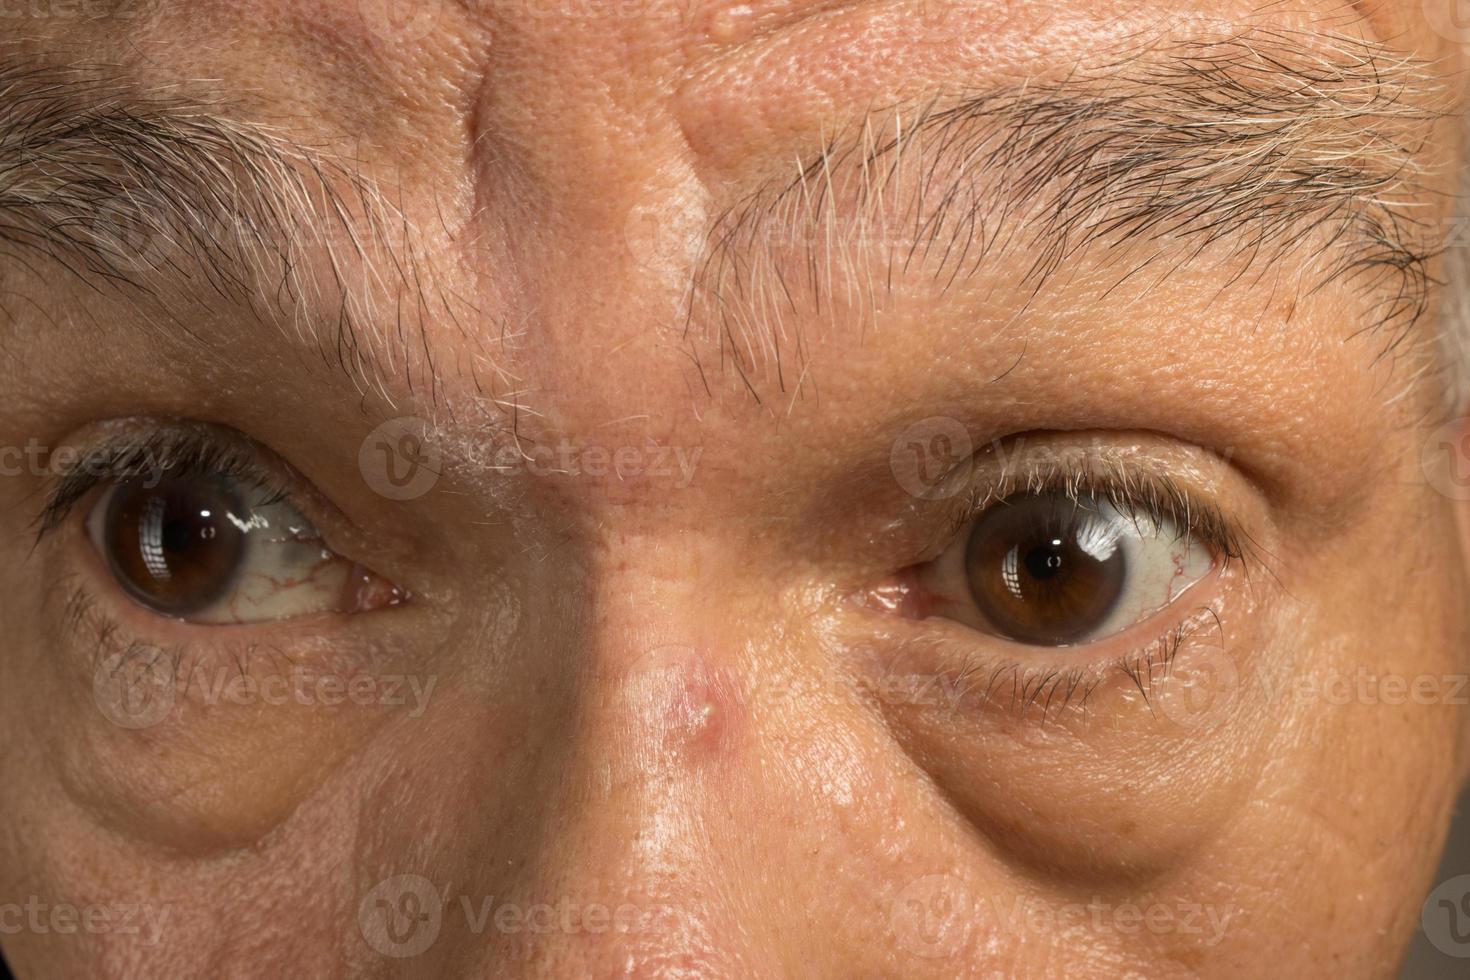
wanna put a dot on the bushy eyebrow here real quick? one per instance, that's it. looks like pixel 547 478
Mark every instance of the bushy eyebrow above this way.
pixel 142 194
pixel 1262 148
pixel 1266 144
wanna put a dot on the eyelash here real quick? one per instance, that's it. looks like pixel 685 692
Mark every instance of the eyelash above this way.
pixel 170 453
pixel 1132 492
pixel 175 450
pixel 1039 684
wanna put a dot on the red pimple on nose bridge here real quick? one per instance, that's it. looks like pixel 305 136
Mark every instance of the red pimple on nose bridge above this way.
pixel 696 707
pixel 728 25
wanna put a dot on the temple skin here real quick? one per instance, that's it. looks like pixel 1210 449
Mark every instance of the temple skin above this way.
pixel 650 708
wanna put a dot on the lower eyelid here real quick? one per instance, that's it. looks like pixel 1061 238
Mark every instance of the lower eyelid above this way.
pixel 940 667
pixel 90 619
pixel 184 739
pixel 949 655
pixel 96 630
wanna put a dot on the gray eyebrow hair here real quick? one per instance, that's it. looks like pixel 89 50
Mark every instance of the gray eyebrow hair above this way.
pixel 1269 145
pixel 139 194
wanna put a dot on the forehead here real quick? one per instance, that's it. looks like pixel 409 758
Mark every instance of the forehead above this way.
pixel 557 156
pixel 732 73
pixel 570 97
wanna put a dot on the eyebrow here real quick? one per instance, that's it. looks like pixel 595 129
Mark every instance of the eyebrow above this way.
pixel 1272 145
pixel 1267 143
pixel 143 195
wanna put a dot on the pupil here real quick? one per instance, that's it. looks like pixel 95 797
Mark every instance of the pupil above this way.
pixel 1045 561
pixel 177 535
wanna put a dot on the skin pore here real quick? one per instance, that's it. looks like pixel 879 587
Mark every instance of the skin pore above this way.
pixel 709 332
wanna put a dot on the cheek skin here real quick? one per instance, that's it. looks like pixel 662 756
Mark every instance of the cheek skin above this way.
pixel 197 792
pixel 1108 798
pixel 1393 791
pixel 1461 560
pixel 1353 798
pixel 1326 803
pixel 226 756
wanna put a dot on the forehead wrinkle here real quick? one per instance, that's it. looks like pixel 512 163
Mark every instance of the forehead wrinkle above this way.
pixel 1269 145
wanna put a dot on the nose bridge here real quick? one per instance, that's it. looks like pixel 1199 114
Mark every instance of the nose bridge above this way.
pixel 674 712
pixel 658 759
pixel 662 689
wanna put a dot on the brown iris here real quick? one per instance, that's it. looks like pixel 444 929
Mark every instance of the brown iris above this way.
pixel 173 547
pixel 1045 570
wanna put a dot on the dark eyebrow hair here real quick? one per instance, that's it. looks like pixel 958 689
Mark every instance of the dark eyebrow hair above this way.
pixel 142 194
pixel 1269 145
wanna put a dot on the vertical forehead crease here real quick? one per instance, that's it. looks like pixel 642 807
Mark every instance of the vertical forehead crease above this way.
pixel 142 194
pixel 1268 145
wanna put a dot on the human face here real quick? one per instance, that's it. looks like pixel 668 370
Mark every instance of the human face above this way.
pixel 569 488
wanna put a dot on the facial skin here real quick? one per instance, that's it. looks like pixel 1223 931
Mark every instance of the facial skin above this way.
pixel 658 672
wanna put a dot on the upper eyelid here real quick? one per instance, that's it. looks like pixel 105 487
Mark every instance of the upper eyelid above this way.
pixel 1130 488
pixel 165 451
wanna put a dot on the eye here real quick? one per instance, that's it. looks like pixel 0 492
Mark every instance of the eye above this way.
pixel 1056 570
pixel 209 549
